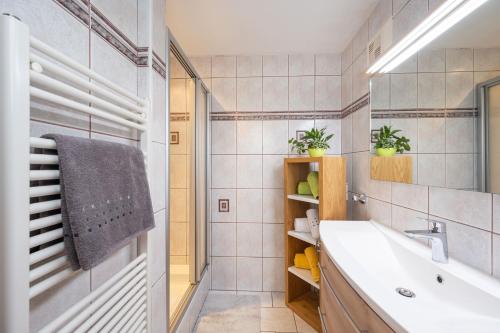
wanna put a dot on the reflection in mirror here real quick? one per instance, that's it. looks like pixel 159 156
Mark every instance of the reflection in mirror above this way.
pixel 446 101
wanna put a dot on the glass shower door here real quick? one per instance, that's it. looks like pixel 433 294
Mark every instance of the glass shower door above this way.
pixel 188 119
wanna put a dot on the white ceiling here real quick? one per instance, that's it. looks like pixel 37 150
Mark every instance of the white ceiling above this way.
pixel 266 26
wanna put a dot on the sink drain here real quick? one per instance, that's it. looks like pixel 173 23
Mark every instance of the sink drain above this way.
pixel 405 292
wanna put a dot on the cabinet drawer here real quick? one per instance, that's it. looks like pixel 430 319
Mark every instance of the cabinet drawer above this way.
pixel 362 315
pixel 336 320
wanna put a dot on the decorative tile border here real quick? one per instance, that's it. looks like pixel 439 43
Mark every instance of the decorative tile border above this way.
pixel 424 113
pixel 276 115
pixel 78 9
pixel 177 116
pixel 356 105
pixel 159 65
pixel 93 18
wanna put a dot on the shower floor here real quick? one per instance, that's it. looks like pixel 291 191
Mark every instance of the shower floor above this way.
pixel 179 285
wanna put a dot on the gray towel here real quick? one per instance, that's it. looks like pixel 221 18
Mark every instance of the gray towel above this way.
pixel 105 197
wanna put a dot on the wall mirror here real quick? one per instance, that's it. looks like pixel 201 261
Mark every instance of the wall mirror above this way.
pixel 446 100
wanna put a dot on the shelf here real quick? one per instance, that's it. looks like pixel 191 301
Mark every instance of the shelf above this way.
pixel 306 307
pixel 303 198
pixel 303 236
pixel 303 274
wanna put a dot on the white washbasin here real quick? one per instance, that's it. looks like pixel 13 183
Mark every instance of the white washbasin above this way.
pixel 376 260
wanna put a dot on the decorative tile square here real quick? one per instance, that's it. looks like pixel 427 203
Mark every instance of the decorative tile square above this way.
pixel 174 138
pixel 223 205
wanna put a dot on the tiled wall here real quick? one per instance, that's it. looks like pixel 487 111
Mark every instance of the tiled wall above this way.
pixel 473 218
pixel 431 98
pixel 112 38
pixel 258 103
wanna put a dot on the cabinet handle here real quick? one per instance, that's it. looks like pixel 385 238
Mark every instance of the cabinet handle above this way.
pixel 353 324
pixel 323 326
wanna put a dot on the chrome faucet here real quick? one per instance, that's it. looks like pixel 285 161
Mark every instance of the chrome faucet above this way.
pixel 438 237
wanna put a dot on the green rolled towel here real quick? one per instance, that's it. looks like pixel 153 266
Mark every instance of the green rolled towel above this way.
pixel 313 181
pixel 303 188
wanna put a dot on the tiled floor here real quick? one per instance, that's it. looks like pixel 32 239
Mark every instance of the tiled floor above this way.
pixel 275 317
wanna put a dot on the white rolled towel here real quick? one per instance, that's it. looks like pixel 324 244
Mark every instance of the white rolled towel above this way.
pixel 301 224
pixel 313 221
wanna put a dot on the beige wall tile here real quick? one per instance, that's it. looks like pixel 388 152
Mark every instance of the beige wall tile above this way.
pixel 496 213
pixel 223 171
pixel 471 208
pixel 346 87
pixel 407 219
pixel 431 169
pixel 379 211
pixel 249 171
pixel 223 94
pixel 469 245
pixel 431 90
pixel 275 137
pixel 249 274
pixel 415 197
pixel 249 66
pixel 275 65
pixel 275 94
pixel 459 60
pixel 460 90
pixel 431 135
pixel 301 64
pixel 224 273
pixel 249 137
pixel 272 171
pixel 273 272
pixel 327 93
pixel 460 171
pixel 432 60
pixel 224 66
pixel 273 241
pixel 273 206
pixel 328 64
pixel 496 255
pixel 403 91
pixel 301 93
pixel 249 94
pixel 223 239
pixel 223 137
pixel 203 65
pixel 249 240
pixel 460 135
pixel 487 59
pixel 380 97
pixel 249 203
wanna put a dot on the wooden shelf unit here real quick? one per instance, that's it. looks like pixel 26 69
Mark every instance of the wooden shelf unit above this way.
pixel 301 296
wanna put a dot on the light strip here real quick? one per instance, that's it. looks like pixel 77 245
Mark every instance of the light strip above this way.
pixel 433 33
pixel 429 25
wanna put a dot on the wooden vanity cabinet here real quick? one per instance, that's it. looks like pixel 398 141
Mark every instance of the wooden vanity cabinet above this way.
pixel 342 310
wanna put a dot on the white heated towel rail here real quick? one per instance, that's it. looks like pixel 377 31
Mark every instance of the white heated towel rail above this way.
pixel 32 258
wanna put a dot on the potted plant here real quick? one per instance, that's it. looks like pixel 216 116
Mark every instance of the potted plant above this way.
pixel 314 141
pixel 388 143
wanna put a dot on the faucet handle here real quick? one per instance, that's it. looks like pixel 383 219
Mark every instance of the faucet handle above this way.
pixel 435 224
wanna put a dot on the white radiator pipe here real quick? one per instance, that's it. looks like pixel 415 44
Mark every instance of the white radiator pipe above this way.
pixel 58 56
pixel 67 90
pixel 56 324
pixel 77 80
pixel 53 98
pixel 14 175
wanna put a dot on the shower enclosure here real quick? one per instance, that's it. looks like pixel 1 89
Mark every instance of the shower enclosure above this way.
pixel 489 136
pixel 188 135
